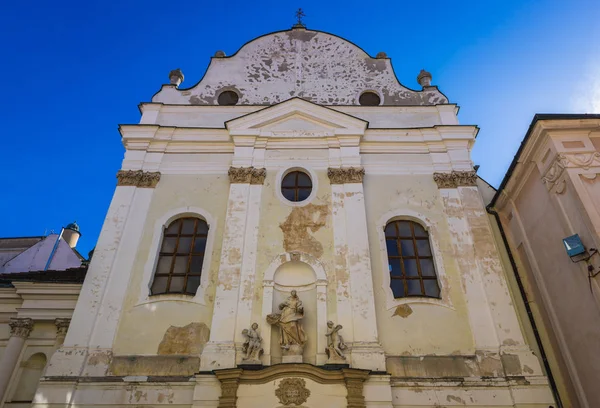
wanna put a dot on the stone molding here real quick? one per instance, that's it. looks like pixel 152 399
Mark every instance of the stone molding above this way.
pixel 345 175
pixel 20 327
pixel 62 325
pixel 456 179
pixel 247 175
pixel 352 378
pixel 138 178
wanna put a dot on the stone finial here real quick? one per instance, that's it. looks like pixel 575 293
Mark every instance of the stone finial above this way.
pixel 220 54
pixel 381 55
pixel 176 77
pixel 424 78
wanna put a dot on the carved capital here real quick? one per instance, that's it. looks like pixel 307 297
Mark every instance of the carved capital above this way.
pixel 456 179
pixel 346 175
pixel 258 176
pixel 230 381
pixel 62 325
pixel 244 175
pixel 138 178
pixel 20 327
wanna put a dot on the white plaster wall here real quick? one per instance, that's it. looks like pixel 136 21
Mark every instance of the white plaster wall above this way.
pixel 143 324
pixel 432 327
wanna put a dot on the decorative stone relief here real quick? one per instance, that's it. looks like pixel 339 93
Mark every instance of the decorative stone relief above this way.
pixel 355 395
pixel 138 178
pixel 258 176
pixel 186 340
pixel 291 334
pixel 584 160
pixel 20 327
pixel 456 179
pixel 292 391
pixel 346 175
pixel 242 175
pixel 252 347
pixel 335 344
pixel 62 325
pixel 554 172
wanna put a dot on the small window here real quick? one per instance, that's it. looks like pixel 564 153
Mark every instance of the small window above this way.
pixel 410 261
pixel 228 98
pixel 181 257
pixel 296 186
pixel 369 99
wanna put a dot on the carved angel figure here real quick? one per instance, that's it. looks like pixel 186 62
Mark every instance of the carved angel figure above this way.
pixel 252 346
pixel 335 342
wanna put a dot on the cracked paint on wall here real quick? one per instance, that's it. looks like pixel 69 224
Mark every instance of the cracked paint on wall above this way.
pixel 316 66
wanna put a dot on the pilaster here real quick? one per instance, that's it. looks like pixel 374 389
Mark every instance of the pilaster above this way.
pixel 19 332
pixel 220 351
pixel 492 316
pixel 366 351
pixel 99 305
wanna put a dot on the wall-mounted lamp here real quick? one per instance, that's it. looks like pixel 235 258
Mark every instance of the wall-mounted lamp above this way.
pixel 577 252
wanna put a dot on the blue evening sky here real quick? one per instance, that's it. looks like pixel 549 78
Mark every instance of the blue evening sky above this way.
pixel 73 70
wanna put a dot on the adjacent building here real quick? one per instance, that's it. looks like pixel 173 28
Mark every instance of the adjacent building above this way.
pixel 551 192
pixel 40 280
pixel 298 229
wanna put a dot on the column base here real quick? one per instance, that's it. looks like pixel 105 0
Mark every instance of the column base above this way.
pixel 217 356
pixel 367 356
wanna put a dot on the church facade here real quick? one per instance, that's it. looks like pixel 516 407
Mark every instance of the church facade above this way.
pixel 297 229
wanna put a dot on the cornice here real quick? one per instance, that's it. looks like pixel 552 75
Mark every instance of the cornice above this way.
pixel 138 178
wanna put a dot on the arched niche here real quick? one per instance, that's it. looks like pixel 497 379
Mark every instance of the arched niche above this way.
pixel 305 274
pixel 29 377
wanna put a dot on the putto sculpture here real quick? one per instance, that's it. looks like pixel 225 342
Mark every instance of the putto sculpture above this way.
pixel 291 334
pixel 252 347
pixel 335 344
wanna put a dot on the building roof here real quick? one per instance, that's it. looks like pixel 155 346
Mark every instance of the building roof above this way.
pixel 72 275
pixel 313 65
pixel 24 254
pixel 536 118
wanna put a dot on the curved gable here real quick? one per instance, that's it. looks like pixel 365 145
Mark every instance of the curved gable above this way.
pixel 316 66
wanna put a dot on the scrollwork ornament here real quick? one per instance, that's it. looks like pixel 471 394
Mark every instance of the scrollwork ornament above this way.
pixel 20 327
pixel 346 175
pixel 292 391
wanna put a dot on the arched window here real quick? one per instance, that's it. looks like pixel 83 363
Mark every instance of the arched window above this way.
pixel 181 256
pixel 410 261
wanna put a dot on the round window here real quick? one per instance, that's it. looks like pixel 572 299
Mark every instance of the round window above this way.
pixel 296 186
pixel 369 99
pixel 228 98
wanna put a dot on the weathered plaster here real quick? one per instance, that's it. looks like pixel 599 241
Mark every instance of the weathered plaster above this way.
pixel 312 65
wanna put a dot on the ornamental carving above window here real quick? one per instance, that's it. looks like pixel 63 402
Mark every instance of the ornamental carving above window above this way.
pixel 410 260
pixel 181 256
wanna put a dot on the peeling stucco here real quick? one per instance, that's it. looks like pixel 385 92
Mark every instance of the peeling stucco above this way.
pixel 187 340
pixel 299 226
pixel 312 65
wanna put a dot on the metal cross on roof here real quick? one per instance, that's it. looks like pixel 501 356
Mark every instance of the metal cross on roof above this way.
pixel 299 15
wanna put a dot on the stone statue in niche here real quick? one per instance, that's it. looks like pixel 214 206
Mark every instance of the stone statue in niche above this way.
pixel 291 334
pixel 335 344
pixel 252 347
